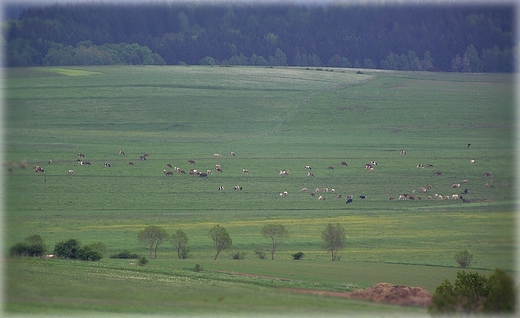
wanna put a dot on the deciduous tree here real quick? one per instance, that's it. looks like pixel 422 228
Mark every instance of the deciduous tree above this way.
pixel 153 236
pixel 275 233
pixel 334 239
pixel 179 239
pixel 221 238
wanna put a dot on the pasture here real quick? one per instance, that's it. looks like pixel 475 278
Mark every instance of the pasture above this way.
pixel 274 119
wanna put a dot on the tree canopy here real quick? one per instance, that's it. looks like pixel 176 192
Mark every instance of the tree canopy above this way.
pixel 153 236
pixel 468 38
pixel 221 238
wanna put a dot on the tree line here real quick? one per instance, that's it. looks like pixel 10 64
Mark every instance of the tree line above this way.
pixel 469 38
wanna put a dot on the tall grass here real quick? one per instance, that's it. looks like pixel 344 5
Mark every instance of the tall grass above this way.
pixel 273 119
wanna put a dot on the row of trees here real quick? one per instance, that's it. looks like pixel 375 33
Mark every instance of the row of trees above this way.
pixel 330 35
pixel 153 236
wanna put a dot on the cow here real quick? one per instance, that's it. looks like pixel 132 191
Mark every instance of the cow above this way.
pixel 232 153
pixel 221 188
pixel 71 172
pixel 38 169
pixel 429 187
pixel 107 164
pixel 438 173
pixel 284 173
pixel 50 161
pixel 217 155
pixel 402 152
pixel 349 201
pixel 218 169
pixel 339 196
pixel 321 198
pixel 131 163
pixel 202 174
pixel 191 161
pixel 344 163
pixel 168 173
pixel 308 168
pixel 368 166
pixel 455 196
pixel 373 163
pixel 466 191
pixel 420 165
pixel 411 197
pixel 303 190
pixel 331 168
pixel 429 165
pixel 142 157
pixel 333 190
pixel 238 188
pixel 455 185
pixel 465 181
pixel 245 171
pixel 285 193
pixel 168 165
pixel 362 197
pixel 472 161
pixel 402 197
pixel 391 198
pixel 209 171
pixel 310 174
pixel 121 152
pixel 80 155
pixel 487 174
pixel 423 189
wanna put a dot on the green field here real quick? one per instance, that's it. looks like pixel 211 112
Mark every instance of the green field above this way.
pixel 273 119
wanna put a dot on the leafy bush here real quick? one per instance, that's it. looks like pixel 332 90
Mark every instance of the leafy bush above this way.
pixel 464 258
pixel 198 268
pixel 298 256
pixel 260 253
pixel 125 254
pixel 239 255
pixel 31 246
pixel 472 293
pixel 143 261
pixel 72 249
pixel 67 249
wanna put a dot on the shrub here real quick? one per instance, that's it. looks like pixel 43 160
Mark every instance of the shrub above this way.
pixel 125 254
pixel 472 294
pixel 239 255
pixel 31 246
pixel 142 261
pixel 88 253
pixel 298 256
pixel 464 258
pixel 260 253
pixel 198 268
pixel 67 249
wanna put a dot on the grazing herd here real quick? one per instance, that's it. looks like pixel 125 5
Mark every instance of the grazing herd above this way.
pixel 423 192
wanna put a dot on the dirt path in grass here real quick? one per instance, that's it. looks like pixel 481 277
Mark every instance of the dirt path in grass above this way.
pixel 380 293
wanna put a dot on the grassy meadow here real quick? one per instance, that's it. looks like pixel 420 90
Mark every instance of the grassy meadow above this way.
pixel 273 119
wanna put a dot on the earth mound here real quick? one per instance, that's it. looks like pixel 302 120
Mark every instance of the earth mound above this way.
pixel 394 294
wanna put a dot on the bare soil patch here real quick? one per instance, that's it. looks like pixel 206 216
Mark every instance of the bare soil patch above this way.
pixel 382 293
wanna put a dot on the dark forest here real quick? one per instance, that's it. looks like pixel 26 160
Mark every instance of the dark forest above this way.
pixel 399 37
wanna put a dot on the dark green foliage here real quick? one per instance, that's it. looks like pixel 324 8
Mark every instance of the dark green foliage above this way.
pixel 67 249
pixel 298 256
pixel 142 261
pixel 341 36
pixel 464 258
pixel 239 255
pixel 501 297
pixel 260 253
pixel 72 249
pixel 125 254
pixel 473 293
pixel 31 246
pixel 198 268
